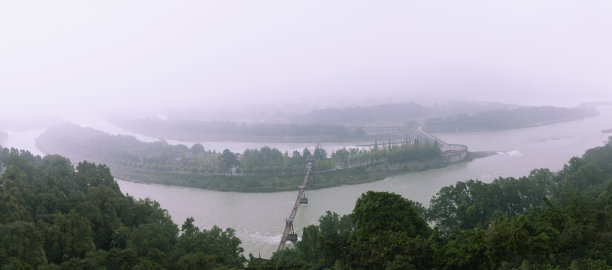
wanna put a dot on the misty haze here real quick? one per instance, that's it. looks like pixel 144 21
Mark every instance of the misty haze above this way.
pixel 305 135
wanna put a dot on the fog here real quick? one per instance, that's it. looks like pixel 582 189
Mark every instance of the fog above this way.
pixel 76 58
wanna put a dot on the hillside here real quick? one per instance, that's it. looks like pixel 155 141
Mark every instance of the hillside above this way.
pixel 56 216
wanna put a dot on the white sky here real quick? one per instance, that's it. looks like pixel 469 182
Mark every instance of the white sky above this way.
pixel 77 56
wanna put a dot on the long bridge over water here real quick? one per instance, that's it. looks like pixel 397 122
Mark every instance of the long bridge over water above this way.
pixel 289 233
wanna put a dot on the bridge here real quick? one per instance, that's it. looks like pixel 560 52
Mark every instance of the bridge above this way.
pixel 289 233
pixel 452 153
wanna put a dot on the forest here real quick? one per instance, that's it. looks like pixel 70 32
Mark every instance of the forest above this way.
pixel 194 166
pixel 56 216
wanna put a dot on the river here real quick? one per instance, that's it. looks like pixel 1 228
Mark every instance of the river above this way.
pixel 258 218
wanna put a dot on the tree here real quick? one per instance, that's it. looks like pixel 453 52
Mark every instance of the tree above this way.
pixel 197 149
pixel 320 153
pixel 388 233
pixel 227 161
pixel 306 154
pixel 376 212
pixel 321 246
pixel 212 248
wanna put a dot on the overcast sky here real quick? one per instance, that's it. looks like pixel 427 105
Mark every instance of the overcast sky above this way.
pixel 76 56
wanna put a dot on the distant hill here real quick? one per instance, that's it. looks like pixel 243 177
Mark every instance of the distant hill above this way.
pixel 364 115
pixel 394 121
pixel 398 113
pixel 519 117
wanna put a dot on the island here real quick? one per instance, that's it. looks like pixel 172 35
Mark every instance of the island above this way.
pixel 255 170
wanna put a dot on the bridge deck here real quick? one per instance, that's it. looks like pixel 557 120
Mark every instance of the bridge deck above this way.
pixel 289 221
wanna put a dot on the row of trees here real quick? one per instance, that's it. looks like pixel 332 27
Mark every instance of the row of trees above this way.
pixel 547 220
pixel 272 161
pixel 391 153
pixel 55 216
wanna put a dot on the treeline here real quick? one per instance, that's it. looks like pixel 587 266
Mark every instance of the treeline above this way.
pixel 126 151
pixel 272 160
pixel 406 151
pixel 547 220
pixel 56 216
pixel 518 117
pixel 182 129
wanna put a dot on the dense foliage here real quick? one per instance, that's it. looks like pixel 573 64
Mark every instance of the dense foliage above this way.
pixel 547 220
pixel 507 118
pixel 56 216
